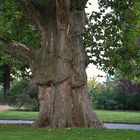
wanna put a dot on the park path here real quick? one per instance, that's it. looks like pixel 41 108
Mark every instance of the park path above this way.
pixel 122 126
pixel 5 107
pixel 107 125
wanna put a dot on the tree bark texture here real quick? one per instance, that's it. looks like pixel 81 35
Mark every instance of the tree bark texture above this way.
pixel 59 65
pixel 59 71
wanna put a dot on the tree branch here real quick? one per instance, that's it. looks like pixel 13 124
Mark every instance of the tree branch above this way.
pixel 18 50
pixel 79 4
pixel 31 12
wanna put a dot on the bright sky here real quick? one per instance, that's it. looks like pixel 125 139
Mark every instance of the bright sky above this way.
pixel 93 6
pixel 91 70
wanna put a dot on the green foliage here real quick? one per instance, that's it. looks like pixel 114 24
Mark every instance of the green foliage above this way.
pixel 111 36
pixel 113 101
pixel 106 100
pixel 109 98
pixel 23 94
pixel 18 69
pixel 103 98
pixel 13 24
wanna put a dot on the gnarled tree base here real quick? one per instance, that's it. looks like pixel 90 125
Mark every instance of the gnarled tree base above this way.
pixel 63 106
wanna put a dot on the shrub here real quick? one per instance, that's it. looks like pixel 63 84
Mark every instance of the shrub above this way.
pixel 111 99
pixel 24 94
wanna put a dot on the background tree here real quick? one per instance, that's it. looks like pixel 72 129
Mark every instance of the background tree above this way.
pixel 11 70
pixel 6 81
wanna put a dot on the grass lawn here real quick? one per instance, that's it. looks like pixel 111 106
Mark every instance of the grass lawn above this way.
pixel 105 116
pixel 18 132
pixel 17 115
pixel 119 116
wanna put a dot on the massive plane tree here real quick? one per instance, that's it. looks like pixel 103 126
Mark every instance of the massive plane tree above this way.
pixel 58 66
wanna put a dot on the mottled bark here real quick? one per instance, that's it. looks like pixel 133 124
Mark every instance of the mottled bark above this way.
pixel 60 73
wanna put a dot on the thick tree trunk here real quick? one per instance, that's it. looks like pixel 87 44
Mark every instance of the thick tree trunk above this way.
pixel 59 65
pixel 62 106
pixel 59 71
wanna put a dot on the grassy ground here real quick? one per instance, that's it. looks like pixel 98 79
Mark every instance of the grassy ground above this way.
pixel 119 116
pixel 14 132
pixel 106 116
pixel 17 115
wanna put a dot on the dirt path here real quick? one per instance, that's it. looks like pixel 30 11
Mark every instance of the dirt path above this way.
pixel 5 107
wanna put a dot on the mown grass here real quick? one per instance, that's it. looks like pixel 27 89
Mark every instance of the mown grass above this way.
pixel 119 116
pixel 17 115
pixel 105 116
pixel 19 132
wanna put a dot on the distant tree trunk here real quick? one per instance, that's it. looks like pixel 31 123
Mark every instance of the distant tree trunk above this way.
pixel 6 82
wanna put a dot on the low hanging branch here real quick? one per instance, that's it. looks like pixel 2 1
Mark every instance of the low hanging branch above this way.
pixel 17 50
